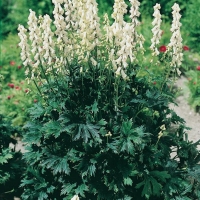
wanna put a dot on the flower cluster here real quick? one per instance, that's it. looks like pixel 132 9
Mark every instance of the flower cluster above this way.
pixel 157 32
pixel 79 39
pixel 25 54
pixel 175 46
pixel 48 43
pixel 176 39
pixel 124 36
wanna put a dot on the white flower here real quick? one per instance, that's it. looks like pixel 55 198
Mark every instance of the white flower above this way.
pixel 178 71
pixel 59 21
pixel 122 36
pixel 134 11
pixel 89 27
pixel 75 197
pixel 118 71
pixel 176 39
pixel 48 44
pixel 120 8
pixel 137 38
pixel 163 127
pixel 157 32
pixel 25 51
pixel 35 36
pixel 124 76
pixel 94 62
pixel 81 69
pixel 57 1
pixel 160 134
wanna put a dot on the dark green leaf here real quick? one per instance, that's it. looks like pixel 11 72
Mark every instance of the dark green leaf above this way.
pixel 81 189
pixel 67 188
pixel 37 111
pixel 62 166
pixel 52 128
pixel 128 181
pixel 160 175
pixel 95 107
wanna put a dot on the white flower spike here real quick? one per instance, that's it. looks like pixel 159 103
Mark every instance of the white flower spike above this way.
pixel 157 32
pixel 176 39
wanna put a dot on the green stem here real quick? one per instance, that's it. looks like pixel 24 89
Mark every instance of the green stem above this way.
pixel 157 141
pixel 117 92
pixel 55 76
pixel 139 111
pixel 44 74
pixel 9 191
pixel 37 88
pixel 166 78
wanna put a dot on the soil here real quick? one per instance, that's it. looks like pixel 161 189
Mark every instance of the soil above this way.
pixel 184 110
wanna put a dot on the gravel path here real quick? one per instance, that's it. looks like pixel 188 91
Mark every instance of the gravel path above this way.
pixel 183 110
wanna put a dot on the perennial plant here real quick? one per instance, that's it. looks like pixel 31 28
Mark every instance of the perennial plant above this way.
pixel 102 129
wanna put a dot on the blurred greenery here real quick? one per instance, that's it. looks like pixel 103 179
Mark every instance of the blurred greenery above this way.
pixel 15 93
pixel 191 24
pixel 14 12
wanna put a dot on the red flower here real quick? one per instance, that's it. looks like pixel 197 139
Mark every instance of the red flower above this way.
pixel 154 82
pixel 9 97
pixel 11 85
pixel 12 63
pixel 26 90
pixel 35 100
pixel 19 67
pixel 17 88
pixel 186 48
pixel 198 68
pixel 163 48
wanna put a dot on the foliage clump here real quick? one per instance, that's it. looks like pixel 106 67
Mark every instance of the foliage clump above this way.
pixel 11 164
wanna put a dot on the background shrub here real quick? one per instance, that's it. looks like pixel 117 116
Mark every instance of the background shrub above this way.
pixel 191 17
pixel 16 12
pixel 16 95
